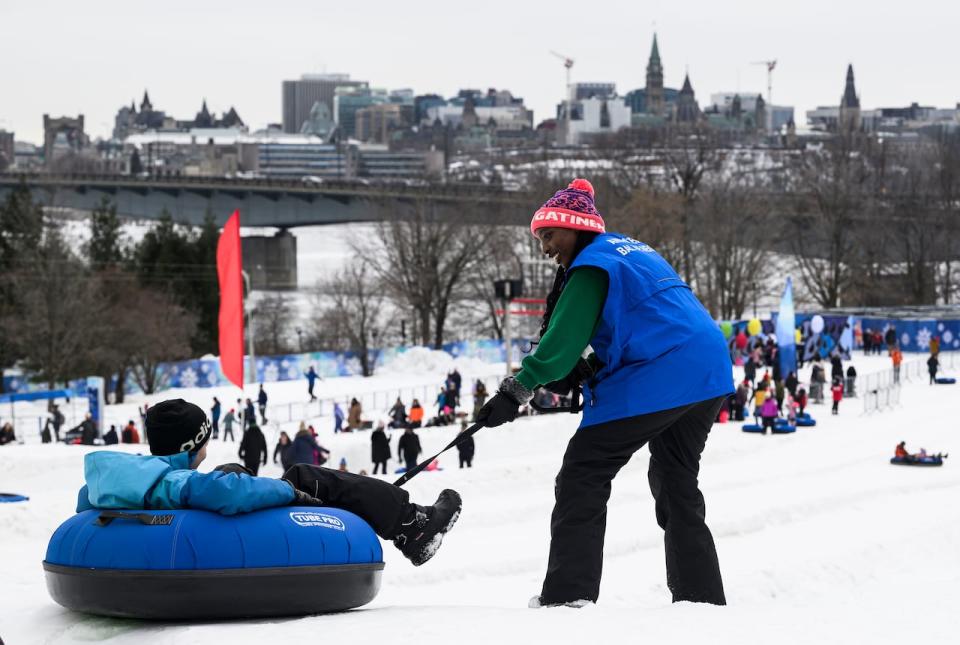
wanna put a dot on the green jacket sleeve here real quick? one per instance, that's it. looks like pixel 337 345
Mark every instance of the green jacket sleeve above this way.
pixel 571 327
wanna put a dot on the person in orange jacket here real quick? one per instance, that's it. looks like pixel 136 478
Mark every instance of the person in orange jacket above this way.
pixel 837 390
pixel 897 357
pixel 416 414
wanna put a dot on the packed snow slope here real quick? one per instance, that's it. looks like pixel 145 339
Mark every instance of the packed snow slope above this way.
pixel 821 540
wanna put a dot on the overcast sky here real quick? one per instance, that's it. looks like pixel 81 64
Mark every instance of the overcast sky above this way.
pixel 66 58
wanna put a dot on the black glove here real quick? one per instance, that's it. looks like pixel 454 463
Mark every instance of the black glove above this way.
pixel 234 468
pixel 501 408
pixel 304 499
pixel 582 372
pixel 505 404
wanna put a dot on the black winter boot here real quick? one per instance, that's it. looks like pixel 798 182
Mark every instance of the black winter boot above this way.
pixel 423 529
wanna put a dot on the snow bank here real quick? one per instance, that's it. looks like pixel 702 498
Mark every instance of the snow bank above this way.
pixel 423 360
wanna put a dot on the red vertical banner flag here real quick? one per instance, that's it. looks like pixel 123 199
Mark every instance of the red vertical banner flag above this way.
pixel 229 267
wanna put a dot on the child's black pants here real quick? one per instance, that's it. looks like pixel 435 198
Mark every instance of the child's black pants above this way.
pixel 378 503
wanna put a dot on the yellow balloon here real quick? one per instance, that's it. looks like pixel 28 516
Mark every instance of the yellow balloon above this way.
pixel 754 327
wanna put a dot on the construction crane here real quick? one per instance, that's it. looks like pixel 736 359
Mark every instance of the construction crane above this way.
pixel 770 65
pixel 567 63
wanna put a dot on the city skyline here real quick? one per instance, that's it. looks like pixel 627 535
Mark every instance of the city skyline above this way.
pixel 229 55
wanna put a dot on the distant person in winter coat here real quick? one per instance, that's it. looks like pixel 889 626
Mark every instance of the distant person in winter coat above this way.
pixel 282 450
pixel 253 449
pixel 740 401
pixel 479 397
pixel 416 414
pixel 7 435
pixel 58 421
pixel 379 449
pixel 891 338
pixel 249 415
pixel 228 421
pixel 896 357
pixel 801 399
pixel 178 433
pixel 215 417
pixel 769 413
pixel 398 415
pixel 933 364
pixel 87 429
pixel 792 382
pixel 337 418
pixel 466 449
pixel 837 391
pixel 457 382
pixel 354 420
pixel 311 381
pixel 851 384
pixel 750 371
pixel 409 448
pixel 836 368
pixel 306 450
pixel 110 437
pixel 130 434
pixel 262 404
pixel 661 372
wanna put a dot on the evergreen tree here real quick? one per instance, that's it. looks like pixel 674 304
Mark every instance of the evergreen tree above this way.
pixel 21 231
pixel 105 249
pixel 184 264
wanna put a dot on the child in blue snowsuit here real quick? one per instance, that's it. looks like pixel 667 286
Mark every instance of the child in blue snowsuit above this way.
pixel 178 431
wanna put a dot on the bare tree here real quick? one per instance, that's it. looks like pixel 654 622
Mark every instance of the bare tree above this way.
pixel 687 161
pixel 835 183
pixel 160 331
pixel 272 320
pixel 731 227
pixel 422 258
pixel 356 310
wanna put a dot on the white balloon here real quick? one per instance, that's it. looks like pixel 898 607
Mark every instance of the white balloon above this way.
pixel 816 324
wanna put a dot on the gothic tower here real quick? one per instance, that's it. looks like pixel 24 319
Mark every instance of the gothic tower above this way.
pixel 654 94
pixel 687 109
pixel 849 105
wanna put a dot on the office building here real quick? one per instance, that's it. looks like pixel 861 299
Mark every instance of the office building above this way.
pixel 299 96
pixel 348 100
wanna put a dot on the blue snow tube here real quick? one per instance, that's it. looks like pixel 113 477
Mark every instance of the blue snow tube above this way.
pixel 917 461
pixel 9 498
pixel 752 427
pixel 783 428
pixel 946 380
pixel 190 564
pixel 806 421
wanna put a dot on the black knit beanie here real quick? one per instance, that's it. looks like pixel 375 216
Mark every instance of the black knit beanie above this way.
pixel 176 426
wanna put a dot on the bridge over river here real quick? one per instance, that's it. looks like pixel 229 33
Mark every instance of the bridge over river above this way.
pixel 269 202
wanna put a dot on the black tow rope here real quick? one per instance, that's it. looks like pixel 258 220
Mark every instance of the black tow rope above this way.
pixel 419 468
pixel 574 407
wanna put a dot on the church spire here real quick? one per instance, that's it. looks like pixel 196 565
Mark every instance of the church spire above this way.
pixel 850 99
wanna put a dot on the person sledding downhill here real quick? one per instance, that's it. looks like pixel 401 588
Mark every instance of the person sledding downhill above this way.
pixel 178 431
pixel 659 373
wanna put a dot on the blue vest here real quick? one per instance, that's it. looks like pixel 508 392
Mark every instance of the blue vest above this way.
pixel 659 346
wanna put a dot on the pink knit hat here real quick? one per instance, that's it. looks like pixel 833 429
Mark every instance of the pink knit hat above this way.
pixel 571 208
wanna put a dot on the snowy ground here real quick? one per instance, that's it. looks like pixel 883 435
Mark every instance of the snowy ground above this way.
pixel 820 541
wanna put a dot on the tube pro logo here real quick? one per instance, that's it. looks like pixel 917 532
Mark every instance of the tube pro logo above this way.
pixel 312 518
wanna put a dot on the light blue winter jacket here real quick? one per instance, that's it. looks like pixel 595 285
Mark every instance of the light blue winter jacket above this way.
pixel 123 481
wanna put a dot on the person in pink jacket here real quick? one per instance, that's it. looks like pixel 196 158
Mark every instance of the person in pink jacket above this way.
pixel 769 412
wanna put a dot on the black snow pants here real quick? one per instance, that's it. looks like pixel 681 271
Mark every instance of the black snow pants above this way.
pixel 594 456
pixel 380 504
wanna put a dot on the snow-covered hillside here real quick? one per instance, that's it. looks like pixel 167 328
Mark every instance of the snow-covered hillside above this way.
pixel 820 539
